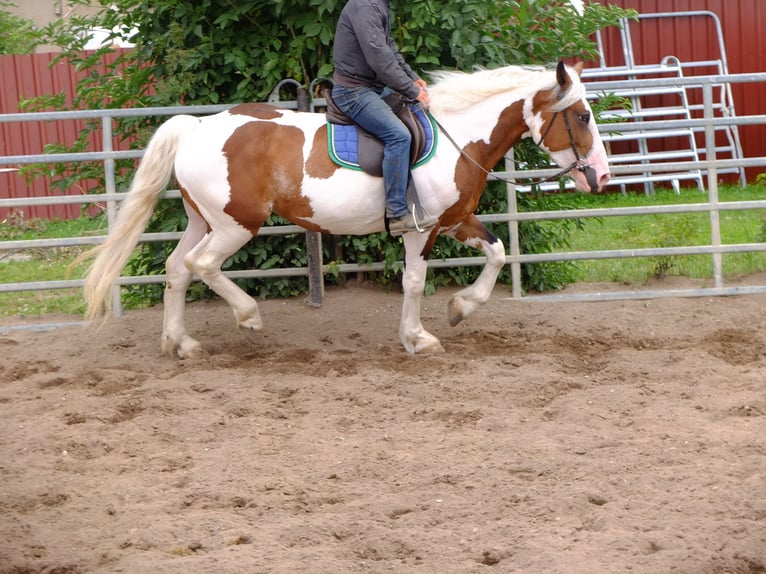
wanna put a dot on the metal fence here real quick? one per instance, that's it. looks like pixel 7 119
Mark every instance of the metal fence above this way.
pixel 315 269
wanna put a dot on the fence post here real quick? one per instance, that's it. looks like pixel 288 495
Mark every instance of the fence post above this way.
pixel 513 230
pixel 313 238
pixel 110 188
pixel 712 183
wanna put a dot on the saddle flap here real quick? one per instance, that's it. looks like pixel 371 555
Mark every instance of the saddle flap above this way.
pixel 403 111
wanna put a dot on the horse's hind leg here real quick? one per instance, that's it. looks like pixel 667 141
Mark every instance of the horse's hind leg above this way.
pixel 206 259
pixel 473 233
pixel 175 340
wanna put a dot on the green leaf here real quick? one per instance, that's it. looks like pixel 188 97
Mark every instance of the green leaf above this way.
pixel 313 29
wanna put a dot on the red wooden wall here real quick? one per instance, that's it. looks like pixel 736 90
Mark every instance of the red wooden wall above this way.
pixel 23 77
pixel 695 39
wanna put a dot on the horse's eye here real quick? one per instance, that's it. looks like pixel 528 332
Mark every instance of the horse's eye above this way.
pixel 584 117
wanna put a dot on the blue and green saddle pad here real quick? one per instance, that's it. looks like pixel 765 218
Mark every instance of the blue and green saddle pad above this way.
pixel 343 141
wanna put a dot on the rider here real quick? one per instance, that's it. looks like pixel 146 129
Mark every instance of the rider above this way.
pixel 368 66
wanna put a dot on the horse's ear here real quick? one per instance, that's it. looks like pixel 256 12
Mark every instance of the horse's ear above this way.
pixel 562 76
pixel 579 67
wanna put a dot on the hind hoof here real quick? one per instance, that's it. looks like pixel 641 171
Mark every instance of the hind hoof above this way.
pixel 185 348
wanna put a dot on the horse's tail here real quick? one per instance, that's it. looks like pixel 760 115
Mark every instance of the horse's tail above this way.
pixel 150 180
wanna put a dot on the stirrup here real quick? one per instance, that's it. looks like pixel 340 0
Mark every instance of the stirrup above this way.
pixel 415 219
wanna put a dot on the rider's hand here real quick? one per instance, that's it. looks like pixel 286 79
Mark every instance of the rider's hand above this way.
pixel 423 96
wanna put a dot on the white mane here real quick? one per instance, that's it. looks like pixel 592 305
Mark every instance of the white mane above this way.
pixel 456 91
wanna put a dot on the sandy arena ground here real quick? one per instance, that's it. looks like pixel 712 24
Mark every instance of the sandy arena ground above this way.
pixel 577 438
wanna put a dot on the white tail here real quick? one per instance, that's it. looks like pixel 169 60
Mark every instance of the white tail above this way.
pixel 150 180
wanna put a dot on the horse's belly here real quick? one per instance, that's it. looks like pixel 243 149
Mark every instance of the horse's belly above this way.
pixel 348 203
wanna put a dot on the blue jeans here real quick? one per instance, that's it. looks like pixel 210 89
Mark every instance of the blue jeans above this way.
pixel 366 107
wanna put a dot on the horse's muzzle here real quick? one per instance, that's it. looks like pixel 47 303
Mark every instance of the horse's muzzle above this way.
pixel 591 177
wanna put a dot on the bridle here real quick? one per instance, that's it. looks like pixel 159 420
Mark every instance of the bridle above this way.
pixel 581 164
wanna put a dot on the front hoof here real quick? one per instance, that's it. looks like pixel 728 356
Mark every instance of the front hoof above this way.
pixel 425 343
pixel 250 333
pixel 192 353
pixel 430 349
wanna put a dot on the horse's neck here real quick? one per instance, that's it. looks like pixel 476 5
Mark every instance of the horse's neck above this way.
pixel 493 127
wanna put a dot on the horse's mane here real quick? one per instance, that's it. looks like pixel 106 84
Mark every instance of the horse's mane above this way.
pixel 454 91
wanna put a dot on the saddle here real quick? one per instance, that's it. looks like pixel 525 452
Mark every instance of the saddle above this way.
pixel 351 146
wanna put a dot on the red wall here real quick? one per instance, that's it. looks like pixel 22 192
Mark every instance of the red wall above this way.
pixel 694 39
pixel 23 77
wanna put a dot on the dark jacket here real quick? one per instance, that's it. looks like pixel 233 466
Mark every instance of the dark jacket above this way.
pixel 364 53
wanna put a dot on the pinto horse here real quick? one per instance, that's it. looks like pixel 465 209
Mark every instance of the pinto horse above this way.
pixel 237 167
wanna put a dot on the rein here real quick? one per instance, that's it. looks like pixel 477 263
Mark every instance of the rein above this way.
pixel 579 163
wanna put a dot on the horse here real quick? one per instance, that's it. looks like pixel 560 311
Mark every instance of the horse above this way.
pixel 236 167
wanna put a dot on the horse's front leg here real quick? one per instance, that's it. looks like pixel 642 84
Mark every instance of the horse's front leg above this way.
pixel 473 233
pixel 411 332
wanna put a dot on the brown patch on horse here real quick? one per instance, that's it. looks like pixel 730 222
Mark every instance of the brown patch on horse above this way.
pixel 469 228
pixel 265 173
pixel 193 205
pixel 469 178
pixel 557 138
pixel 472 228
pixel 580 131
pixel 428 247
pixel 319 165
pixel 258 111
